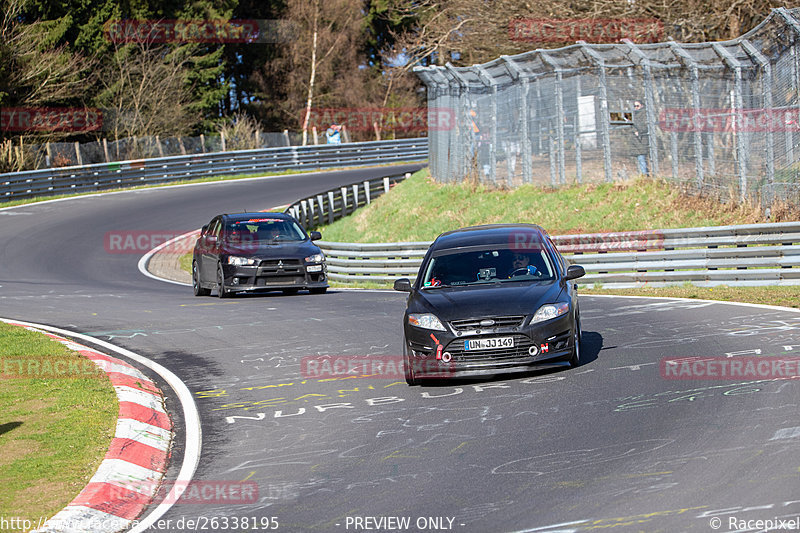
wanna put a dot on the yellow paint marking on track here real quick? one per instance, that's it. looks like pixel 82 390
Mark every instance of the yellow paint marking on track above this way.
pixel 459 446
pixel 249 475
pixel 649 474
pixel 395 455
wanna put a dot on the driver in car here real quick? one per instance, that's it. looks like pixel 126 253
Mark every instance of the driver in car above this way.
pixel 521 265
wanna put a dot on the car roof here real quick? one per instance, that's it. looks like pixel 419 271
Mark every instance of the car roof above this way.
pixel 489 234
pixel 258 214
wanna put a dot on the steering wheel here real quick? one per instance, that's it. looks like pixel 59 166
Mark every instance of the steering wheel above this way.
pixel 524 271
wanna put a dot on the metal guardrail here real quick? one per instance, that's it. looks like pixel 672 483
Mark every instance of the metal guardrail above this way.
pixel 753 254
pixel 104 176
pixel 336 203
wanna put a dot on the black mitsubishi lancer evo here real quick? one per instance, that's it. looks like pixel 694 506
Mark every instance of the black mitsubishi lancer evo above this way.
pixel 247 252
pixel 488 300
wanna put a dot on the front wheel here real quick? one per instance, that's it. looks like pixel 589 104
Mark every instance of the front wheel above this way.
pixel 408 368
pixel 198 289
pixel 222 292
pixel 575 360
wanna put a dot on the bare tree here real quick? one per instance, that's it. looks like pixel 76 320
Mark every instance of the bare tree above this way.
pixel 146 92
pixel 323 53
pixel 33 73
pixel 475 31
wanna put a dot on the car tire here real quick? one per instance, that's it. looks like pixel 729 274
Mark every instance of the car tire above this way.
pixel 575 360
pixel 408 368
pixel 289 292
pixel 198 289
pixel 222 292
pixel 318 290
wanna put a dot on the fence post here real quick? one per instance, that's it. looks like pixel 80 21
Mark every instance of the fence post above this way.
pixel 605 120
pixel 386 184
pixel 576 132
pixel 738 105
pixel 766 91
pixel 559 115
pixel 78 153
pixel 687 59
pixel 366 191
pixel 650 100
pixel 330 207
pixel 461 131
pixel 286 137
pixel 355 196
pixel 492 84
pixel 525 141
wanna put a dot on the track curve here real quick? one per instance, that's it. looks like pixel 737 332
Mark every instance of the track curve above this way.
pixel 608 444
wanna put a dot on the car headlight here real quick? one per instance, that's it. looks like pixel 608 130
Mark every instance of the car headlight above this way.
pixel 241 261
pixel 316 258
pixel 426 320
pixel 550 311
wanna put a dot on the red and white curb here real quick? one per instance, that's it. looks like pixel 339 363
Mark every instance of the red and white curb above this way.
pixel 128 478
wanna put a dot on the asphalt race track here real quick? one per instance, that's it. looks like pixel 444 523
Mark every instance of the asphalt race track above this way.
pixel 611 445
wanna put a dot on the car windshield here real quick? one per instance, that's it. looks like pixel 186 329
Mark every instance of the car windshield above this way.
pixel 263 230
pixel 495 265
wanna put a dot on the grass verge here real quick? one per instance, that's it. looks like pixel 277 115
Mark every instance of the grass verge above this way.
pixel 418 209
pixel 56 426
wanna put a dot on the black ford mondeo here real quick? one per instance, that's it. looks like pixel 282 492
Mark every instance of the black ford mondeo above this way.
pixel 255 252
pixel 488 300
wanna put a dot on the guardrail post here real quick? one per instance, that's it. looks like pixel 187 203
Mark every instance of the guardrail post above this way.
pixel 355 196
pixel 386 184
pixel 312 211
pixel 321 203
pixel 330 207
pixel 344 200
pixel 304 220
pixel 366 191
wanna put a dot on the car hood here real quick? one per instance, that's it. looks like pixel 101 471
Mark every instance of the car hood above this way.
pixel 501 299
pixel 286 250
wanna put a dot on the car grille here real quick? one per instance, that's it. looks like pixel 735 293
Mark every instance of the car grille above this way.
pixel 279 281
pixel 281 266
pixel 518 353
pixel 499 322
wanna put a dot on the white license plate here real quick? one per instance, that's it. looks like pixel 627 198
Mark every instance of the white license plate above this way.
pixel 495 343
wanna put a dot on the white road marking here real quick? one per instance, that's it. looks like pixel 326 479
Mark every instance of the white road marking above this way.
pixel 194 434
pixel 786 433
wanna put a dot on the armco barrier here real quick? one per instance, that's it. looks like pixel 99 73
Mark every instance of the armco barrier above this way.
pixel 753 254
pixel 90 178
pixel 331 205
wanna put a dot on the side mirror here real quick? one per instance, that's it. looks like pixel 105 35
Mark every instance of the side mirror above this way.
pixel 315 235
pixel 211 239
pixel 204 230
pixel 402 285
pixel 575 271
